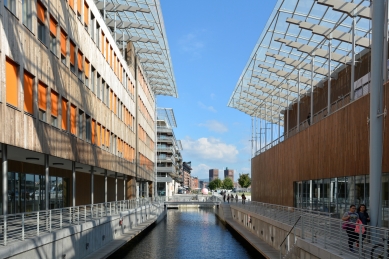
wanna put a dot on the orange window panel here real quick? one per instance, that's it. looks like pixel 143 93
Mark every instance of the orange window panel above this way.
pixel 54 103
pixel 103 135
pixel 106 49
pixel 42 96
pixel 79 55
pixel 71 4
pixel 114 63
pixel 111 57
pixel 86 14
pixel 93 132
pixel 41 12
pixel 73 123
pixel 79 4
pixel 102 42
pixel 107 138
pixel 87 65
pixel 98 142
pixel 28 90
pixel 72 53
pixel 63 43
pixel 114 103
pixel 53 26
pixel 64 121
pixel 11 70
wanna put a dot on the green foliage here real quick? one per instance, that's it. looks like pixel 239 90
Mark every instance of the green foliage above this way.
pixel 244 180
pixel 228 184
pixel 215 184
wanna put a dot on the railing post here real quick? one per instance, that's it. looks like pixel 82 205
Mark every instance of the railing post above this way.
pixel 85 213
pixel 50 221
pixel 360 241
pixel 37 223
pixel 23 226
pixel 60 219
pixel 70 216
pixel 78 215
pixel 110 210
pixel 340 231
pixel 312 228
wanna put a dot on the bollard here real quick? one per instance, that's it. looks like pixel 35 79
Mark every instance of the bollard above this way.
pixel 23 226
pixel 37 223
pixel 60 218
pixel 50 221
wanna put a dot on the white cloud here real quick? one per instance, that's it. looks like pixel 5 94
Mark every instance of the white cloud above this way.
pixel 201 171
pixel 205 107
pixel 191 44
pixel 209 149
pixel 214 126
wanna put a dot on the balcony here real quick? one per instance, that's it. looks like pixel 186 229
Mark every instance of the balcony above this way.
pixel 164 169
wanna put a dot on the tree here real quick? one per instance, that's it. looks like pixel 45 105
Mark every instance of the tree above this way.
pixel 215 184
pixel 244 180
pixel 228 183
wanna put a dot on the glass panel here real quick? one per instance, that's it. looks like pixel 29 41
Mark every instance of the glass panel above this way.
pixel 341 195
pixel 326 194
pixel 359 190
pixel 11 193
pixel 53 192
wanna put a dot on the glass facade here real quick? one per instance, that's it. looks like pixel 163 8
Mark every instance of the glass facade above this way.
pixel 335 195
pixel 26 192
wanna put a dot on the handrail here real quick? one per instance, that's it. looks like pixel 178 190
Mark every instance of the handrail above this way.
pixel 294 225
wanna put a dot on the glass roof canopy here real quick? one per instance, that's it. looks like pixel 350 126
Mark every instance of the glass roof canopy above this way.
pixel 297 32
pixel 141 22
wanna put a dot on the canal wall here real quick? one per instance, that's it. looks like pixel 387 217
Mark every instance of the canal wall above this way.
pixel 274 232
pixel 83 240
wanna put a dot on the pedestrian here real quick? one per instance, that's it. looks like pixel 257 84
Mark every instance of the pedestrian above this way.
pixel 350 219
pixel 224 197
pixel 236 198
pixel 243 198
pixel 309 119
pixel 228 198
pixel 365 218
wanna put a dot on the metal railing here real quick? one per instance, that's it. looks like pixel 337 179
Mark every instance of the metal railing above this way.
pixel 327 230
pixel 20 226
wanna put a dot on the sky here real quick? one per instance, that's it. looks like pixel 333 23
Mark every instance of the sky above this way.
pixel 210 43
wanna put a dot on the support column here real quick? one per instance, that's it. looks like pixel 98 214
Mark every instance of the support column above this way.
pixel 287 112
pixel 73 184
pixel 279 116
pixel 255 135
pixel 105 185
pixel 329 76
pixel 376 110
pixel 265 126
pixel 47 181
pixel 312 71
pixel 4 152
pixel 260 131
pixel 124 187
pixel 92 184
pixel 352 60
pixel 116 186
pixel 298 101
pixel 271 125
pixel 252 137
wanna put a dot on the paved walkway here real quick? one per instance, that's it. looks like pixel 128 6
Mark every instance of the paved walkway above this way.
pixel 264 248
pixel 111 247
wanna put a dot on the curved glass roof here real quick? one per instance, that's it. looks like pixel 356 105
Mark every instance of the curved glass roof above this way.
pixel 297 32
pixel 141 22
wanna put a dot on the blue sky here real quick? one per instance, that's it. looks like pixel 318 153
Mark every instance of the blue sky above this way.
pixel 210 42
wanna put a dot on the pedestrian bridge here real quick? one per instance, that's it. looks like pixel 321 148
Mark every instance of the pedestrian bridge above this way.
pixel 196 201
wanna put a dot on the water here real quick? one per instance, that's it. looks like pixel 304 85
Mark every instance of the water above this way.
pixel 188 233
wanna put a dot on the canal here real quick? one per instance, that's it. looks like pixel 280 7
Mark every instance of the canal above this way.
pixel 188 233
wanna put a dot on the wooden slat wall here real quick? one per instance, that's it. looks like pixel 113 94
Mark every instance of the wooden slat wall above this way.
pixel 335 146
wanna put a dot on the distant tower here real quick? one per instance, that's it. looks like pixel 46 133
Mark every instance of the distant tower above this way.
pixel 229 173
pixel 213 174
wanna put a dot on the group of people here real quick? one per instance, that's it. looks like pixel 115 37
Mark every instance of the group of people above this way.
pixel 231 197
pixel 351 219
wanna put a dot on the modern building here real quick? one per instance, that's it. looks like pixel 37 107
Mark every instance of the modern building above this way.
pixel 169 159
pixel 315 87
pixel 77 97
pixel 213 174
pixel 229 173
pixel 186 174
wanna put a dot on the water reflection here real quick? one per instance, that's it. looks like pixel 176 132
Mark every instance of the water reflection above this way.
pixel 188 233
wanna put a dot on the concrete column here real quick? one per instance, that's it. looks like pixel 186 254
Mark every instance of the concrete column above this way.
pixel 287 112
pixel 92 184
pixel 312 71
pixel 73 183
pixel 4 152
pixel 147 189
pixel 47 181
pixel 124 187
pixel 376 110
pixel 352 61
pixel 298 101
pixel 105 186
pixel 116 186
pixel 329 76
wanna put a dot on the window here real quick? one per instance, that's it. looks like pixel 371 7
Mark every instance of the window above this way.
pixel 107 139
pixel 102 43
pixel 107 95
pixel 103 91
pixel 11 5
pixel 63 46
pixel 106 49
pixel 92 26
pixel 88 129
pixel 53 35
pixel 103 136
pixel 86 15
pixel 71 4
pixel 73 122
pixel 42 100
pixel 80 124
pixel 72 57
pixel 79 5
pixel 87 65
pixel 93 131
pixel 114 104
pixel 64 106
pixel 27 14
pixel 28 86
pixel 98 85
pixel 11 83
pixel 54 108
pixel 41 11
pixel 98 140
pixel 111 100
pixel 80 65
pixel 92 78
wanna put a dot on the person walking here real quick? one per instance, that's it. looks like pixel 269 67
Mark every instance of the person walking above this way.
pixel 224 197
pixel 236 198
pixel 350 219
pixel 228 198
pixel 243 198
pixel 365 218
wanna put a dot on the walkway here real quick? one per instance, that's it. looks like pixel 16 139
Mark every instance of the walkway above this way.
pixel 265 249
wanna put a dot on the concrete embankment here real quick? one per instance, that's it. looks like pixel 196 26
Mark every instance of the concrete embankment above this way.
pixel 92 239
